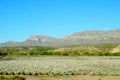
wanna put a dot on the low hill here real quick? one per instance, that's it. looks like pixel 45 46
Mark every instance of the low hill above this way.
pixel 116 49
pixel 86 50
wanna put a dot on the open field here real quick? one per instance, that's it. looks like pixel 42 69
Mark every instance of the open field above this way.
pixel 62 68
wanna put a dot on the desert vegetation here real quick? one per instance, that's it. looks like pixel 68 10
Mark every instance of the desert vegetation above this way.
pixel 52 67
pixel 92 60
pixel 61 66
pixel 86 50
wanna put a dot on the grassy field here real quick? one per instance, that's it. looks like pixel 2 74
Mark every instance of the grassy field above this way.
pixel 62 68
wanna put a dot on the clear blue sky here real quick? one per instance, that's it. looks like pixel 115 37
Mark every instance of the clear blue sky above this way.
pixel 20 19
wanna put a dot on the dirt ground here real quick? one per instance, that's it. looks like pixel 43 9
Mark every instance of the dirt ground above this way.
pixel 71 77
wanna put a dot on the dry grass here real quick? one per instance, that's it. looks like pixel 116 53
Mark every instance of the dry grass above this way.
pixel 70 77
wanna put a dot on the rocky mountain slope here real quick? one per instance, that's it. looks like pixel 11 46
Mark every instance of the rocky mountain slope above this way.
pixel 78 38
pixel 93 37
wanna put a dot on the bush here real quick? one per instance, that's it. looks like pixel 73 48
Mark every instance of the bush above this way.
pixel 116 54
pixel 3 54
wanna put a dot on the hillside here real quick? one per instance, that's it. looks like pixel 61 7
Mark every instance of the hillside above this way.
pixel 116 49
pixel 87 50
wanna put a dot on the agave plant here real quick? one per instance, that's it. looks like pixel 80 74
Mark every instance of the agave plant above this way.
pixel 60 66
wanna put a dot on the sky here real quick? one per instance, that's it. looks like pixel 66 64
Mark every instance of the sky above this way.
pixel 20 19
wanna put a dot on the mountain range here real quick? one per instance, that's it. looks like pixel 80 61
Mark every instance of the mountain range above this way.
pixel 79 38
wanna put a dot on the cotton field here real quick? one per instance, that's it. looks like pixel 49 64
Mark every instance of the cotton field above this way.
pixel 61 66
